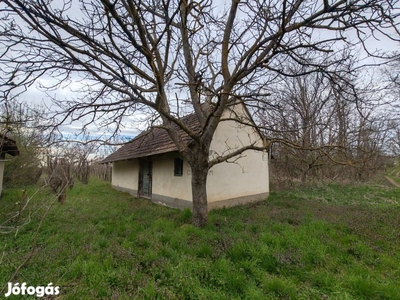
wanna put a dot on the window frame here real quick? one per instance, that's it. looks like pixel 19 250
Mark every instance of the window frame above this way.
pixel 178 167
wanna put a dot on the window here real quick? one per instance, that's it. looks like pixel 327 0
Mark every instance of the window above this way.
pixel 178 167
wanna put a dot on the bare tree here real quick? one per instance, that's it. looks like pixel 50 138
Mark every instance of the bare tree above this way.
pixel 327 127
pixel 81 155
pixel 147 56
pixel 300 113
pixel 23 125
pixel 391 73
pixel 60 178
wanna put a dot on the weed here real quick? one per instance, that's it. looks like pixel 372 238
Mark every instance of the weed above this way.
pixel 325 242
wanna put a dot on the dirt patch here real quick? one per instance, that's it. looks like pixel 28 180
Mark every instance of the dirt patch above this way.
pixel 392 181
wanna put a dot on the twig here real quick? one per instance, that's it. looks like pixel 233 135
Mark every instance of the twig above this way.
pixel 33 248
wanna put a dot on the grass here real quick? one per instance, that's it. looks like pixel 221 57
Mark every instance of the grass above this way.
pixel 326 242
pixel 394 172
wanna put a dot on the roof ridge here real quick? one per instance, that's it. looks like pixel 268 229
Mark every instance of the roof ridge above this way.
pixel 154 140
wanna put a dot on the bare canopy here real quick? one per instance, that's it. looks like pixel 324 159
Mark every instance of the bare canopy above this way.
pixel 153 57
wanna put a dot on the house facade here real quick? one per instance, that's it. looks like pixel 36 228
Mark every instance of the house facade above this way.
pixel 150 166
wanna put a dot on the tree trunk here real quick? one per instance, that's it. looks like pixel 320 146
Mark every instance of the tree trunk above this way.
pixel 304 173
pixel 199 191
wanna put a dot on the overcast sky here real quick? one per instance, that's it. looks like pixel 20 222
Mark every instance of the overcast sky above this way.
pixel 35 96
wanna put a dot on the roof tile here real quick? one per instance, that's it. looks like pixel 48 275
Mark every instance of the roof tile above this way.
pixel 154 141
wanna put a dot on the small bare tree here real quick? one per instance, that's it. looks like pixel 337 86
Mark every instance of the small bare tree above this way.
pixel 80 157
pixel 144 57
pixel 60 178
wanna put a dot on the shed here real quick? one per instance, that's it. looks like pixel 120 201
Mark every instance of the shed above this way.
pixel 150 166
pixel 7 146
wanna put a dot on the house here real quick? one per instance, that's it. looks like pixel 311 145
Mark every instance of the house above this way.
pixel 150 165
pixel 7 146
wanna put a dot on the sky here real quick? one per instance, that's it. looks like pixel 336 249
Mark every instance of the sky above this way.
pixel 34 96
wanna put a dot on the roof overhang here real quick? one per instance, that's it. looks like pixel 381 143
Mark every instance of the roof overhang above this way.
pixel 8 146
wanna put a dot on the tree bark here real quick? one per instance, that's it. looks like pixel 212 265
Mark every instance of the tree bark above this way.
pixel 199 190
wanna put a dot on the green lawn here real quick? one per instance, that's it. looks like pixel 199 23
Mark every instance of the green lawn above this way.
pixel 326 242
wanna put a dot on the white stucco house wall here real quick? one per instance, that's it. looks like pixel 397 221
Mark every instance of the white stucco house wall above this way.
pixel 7 146
pixel 151 167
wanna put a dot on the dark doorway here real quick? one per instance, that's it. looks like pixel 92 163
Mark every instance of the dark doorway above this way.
pixel 145 178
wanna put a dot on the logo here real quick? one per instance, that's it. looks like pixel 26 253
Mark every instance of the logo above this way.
pixel 38 291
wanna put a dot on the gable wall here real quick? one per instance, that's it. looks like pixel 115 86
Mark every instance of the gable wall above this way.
pixel 244 175
pixel 247 176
